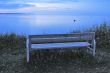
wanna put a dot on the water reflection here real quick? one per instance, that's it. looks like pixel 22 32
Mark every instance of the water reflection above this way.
pixel 42 24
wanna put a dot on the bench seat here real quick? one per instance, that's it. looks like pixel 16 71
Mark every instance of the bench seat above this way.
pixel 60 45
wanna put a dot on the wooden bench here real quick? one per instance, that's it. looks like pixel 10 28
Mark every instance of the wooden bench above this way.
pixel 50 41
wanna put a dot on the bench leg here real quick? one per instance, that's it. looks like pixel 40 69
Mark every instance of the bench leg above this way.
pixel 27 50
pixel 94 47
pixel 27 54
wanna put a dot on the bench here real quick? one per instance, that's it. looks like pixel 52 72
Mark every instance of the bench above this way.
pixel 53 41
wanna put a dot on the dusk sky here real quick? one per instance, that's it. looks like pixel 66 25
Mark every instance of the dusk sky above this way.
pixel 76 7
pixel 52 16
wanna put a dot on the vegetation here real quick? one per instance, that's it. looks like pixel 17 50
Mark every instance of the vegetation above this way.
pixel 13 56
pixel 102 35
pixel 12 41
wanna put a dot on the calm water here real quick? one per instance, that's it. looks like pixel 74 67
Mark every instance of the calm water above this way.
pixel 42 24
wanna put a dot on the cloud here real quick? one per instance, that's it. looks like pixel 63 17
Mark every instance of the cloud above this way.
pixel 6 0
pixel 76 8
pixel 14 6
pixel 36 1
pixel 56 1
pixel 95 1
pixel 50 1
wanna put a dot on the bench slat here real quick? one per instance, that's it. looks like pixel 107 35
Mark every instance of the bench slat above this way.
pixel 62 35
pixel 60 45
pixel 61 38
pixel 53 40
pixel 57 40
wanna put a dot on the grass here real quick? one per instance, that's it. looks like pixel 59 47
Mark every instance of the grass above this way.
pixel 13 56
pixel 43 61
pixel 102 35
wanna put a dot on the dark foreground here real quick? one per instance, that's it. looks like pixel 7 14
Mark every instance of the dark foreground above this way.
pixel 54 61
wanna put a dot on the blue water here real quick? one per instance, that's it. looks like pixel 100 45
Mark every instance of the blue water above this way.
pixel 43 24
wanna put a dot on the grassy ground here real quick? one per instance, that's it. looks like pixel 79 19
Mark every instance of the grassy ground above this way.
pixel 53 61
pixel 13 56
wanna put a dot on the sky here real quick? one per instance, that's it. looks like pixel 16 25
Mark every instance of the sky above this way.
pixel 53 7
pixel 76 7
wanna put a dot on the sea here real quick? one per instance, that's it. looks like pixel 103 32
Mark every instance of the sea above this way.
pixel 27 24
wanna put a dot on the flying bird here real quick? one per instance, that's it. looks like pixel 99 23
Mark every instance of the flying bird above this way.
pixel 74 20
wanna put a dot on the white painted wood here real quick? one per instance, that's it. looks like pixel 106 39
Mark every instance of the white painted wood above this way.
pixel 91 49
pixel 50 41
pixel 27 50
pixel 60 45
pixel 94 47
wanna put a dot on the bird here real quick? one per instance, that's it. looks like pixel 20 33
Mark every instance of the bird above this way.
pixel 74 20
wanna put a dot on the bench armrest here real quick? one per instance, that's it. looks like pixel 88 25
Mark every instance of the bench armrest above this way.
pixel 94 42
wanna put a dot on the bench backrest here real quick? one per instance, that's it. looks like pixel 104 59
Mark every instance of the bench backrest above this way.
pixel 61 38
